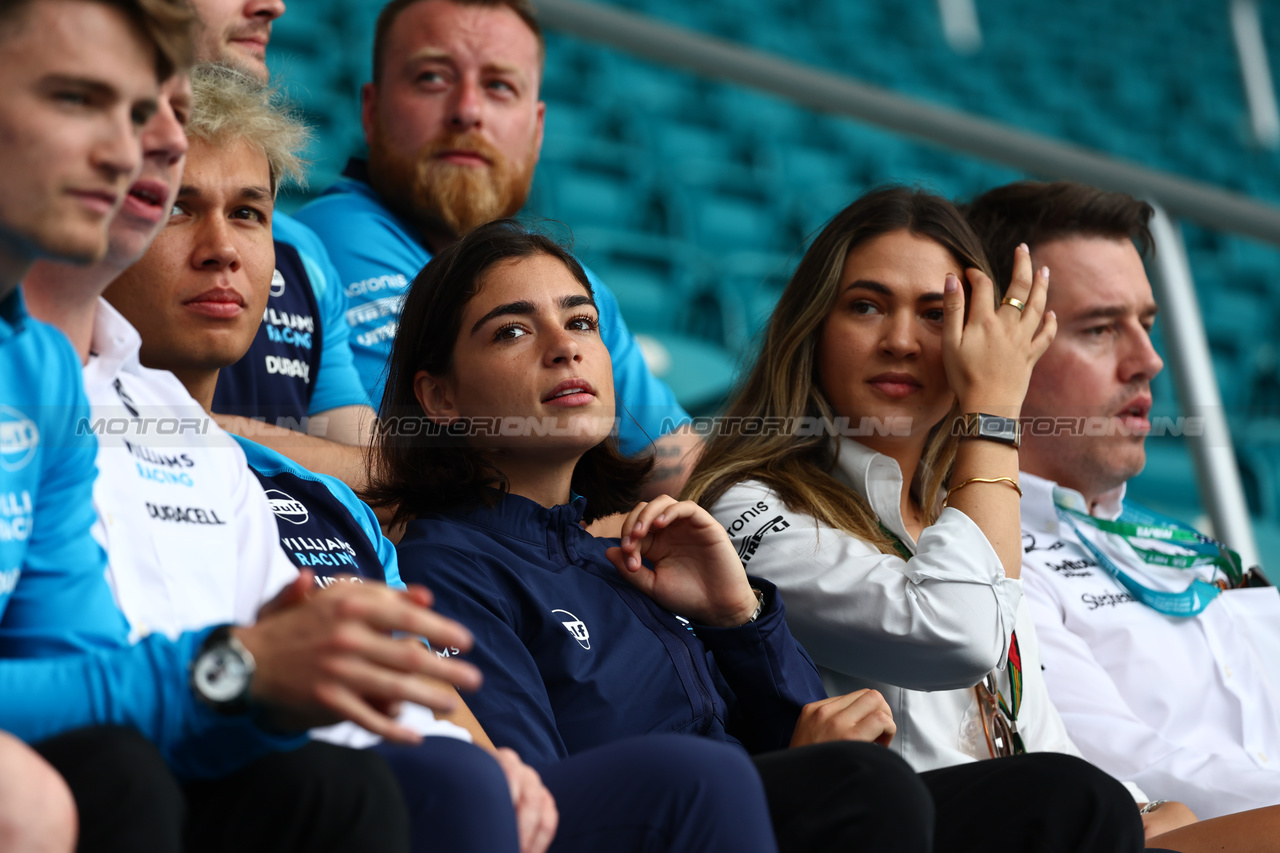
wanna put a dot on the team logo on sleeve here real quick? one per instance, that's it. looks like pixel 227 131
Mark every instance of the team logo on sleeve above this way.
pixel 286 507
pixel 749 546
pixel 575 626
pixel 19 439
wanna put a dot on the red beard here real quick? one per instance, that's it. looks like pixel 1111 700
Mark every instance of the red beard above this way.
pixel 449 196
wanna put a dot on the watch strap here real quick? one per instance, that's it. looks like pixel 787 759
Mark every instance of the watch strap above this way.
pixel 222 641
pixel 990 428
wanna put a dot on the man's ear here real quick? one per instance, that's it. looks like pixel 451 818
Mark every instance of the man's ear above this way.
pixel 368 106
pixel 541 126
pixel 435 396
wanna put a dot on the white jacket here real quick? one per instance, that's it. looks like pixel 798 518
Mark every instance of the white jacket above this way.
pixel 190 538
pixel 922 631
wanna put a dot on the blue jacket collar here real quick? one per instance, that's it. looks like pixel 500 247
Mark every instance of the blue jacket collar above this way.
pixel 514 517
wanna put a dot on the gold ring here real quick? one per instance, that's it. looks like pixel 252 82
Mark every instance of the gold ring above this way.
pixel 1016 303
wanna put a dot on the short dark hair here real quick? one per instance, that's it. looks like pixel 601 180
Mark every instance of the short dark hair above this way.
pixel 167 24
pixel 423 468
pixel 1036 213
pixel 390 12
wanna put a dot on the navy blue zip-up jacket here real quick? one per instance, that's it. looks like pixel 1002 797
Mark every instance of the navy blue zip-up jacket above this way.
pixel 574 657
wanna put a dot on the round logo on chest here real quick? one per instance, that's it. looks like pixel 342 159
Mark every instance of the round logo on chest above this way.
pixel 286 507
pixel 19 438
pixel 575 626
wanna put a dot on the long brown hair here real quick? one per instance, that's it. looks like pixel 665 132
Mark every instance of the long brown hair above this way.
pixel 782 387
pixel 416 466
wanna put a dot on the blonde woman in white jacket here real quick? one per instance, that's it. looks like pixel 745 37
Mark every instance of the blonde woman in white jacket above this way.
pixel 868 466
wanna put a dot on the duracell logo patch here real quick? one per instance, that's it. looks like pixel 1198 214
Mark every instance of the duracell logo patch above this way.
pixel 183 514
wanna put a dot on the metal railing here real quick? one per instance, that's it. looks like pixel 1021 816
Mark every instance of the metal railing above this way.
pixel 1174 196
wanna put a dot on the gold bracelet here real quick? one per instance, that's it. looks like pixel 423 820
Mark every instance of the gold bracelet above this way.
pixel 1013 484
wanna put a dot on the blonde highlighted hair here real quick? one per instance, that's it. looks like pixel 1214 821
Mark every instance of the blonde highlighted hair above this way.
pixel 783 383
pixel 228 105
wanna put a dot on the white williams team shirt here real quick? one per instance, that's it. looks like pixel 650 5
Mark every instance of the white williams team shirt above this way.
pixel 1186 707
pixel 938 622
pixel 189 535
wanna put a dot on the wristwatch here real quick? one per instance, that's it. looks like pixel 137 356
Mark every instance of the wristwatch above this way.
pixel 989 427
pixel 222 672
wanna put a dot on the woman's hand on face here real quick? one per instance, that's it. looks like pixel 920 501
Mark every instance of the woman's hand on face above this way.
pixel 989 358
pixel 862 715
pixel 696 572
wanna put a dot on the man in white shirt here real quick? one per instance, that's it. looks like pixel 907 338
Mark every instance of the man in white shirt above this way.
pixel 1159 676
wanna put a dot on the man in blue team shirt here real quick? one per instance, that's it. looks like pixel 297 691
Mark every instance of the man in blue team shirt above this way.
pixel 80 82
pixel 454 127
pixel 298 379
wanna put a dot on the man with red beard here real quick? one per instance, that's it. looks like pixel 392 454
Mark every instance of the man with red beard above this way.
pixel 454 127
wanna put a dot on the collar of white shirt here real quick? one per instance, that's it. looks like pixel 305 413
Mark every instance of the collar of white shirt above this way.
pixel 115 345
pixel 1039 514
pixel 878 479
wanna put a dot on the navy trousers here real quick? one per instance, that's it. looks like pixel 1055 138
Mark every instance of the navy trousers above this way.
pixel 659 793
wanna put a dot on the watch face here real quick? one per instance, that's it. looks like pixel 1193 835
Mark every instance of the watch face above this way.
pixel 220 675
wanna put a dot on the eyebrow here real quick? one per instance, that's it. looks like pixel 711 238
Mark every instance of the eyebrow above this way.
pixel 98 88
pixel 435 54
pixel 1111 312
pixel 251 193
pixel 877 287
pixel 525 307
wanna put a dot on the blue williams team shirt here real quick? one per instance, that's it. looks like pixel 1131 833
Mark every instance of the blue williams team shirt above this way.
pixel 300 362
pixel 323 526
pixel 65 660
pixel 575 657
pixel 378 257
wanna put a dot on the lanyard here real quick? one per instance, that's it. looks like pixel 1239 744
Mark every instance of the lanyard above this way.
pixel 1138 522
pixel 1147 525
pixel 898 545
pixel 1015 693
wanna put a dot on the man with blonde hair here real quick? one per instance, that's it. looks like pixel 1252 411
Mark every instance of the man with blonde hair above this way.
pixel 296 389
